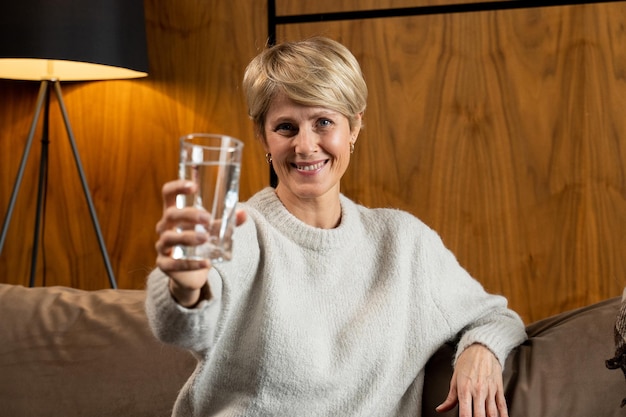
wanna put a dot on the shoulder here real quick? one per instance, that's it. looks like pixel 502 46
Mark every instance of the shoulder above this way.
pixel 390 219
pixel 397 229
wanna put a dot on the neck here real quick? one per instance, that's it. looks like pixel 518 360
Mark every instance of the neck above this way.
pixel 323 212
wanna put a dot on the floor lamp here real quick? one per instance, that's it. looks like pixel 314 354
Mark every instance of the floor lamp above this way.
pixel 51 42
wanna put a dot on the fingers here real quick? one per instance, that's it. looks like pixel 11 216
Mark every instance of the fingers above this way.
pixel 171 238
pixel 168 264
pixel 477 385
pixel 451 400
pixel 172 189
pixel 484 399
pixel 489 402
pixel 242 216
pixel 184 218
pixel 480 403
pixel 501 407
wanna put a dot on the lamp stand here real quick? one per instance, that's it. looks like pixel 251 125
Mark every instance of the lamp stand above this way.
pixel 44 96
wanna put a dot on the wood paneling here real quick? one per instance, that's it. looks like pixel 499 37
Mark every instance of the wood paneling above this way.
pixel 501 130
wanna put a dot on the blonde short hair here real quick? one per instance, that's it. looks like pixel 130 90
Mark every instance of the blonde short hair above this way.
pixel 314 72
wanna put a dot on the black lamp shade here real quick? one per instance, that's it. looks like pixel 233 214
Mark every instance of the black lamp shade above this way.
pixel 52 38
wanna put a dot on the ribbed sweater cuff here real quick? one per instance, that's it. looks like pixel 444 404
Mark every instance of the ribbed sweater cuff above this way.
pixel 171 322
pixel 499 341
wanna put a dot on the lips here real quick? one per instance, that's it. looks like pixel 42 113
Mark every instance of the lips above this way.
pixel 310 167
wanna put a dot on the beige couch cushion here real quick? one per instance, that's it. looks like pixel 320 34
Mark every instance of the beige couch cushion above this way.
pixel 66 352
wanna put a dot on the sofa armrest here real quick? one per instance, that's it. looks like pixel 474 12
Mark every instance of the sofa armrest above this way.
pixel 559 371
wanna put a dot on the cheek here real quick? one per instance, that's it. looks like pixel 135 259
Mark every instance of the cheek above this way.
pixel 341 154
pixel 340 145
pixel 274 145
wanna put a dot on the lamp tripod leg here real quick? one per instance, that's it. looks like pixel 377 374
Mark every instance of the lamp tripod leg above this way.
pixel 43 93
pixel 41 187
pixel 79 167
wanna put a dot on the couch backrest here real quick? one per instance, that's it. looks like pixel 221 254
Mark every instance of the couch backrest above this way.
pixel 66 352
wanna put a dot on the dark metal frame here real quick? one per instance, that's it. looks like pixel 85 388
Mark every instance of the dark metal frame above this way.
pixel 273 20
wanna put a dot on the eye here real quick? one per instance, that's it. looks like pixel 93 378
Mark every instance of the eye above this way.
pixel 324 122
pixel 285 128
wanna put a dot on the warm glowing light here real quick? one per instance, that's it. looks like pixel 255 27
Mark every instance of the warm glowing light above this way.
pixel 46 69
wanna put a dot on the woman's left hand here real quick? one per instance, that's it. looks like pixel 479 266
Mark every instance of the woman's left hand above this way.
pixel 476 385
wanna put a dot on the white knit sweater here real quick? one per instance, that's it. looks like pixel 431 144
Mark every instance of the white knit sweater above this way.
pixel 313 322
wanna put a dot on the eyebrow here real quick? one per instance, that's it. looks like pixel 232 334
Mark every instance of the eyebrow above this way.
pixel 317 114
pixel 325 112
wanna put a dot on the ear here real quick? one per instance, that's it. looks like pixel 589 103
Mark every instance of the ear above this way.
pixel 356 127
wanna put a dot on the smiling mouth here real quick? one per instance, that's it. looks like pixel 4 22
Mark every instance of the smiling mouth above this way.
pixel 311 167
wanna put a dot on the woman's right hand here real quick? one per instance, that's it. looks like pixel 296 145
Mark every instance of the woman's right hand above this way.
pixel 187 277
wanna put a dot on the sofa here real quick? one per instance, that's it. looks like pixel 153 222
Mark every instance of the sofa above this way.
pixel 67 352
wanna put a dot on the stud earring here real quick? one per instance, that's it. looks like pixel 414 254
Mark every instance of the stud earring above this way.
pixel 268 158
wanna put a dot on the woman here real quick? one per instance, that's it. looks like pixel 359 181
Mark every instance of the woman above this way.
pixel 327 308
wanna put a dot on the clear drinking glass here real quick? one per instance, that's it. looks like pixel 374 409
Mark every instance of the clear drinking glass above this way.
pixel 214 163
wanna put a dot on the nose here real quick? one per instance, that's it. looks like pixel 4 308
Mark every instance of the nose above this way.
pixel 305 142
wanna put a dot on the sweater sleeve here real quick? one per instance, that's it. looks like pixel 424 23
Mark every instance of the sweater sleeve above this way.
pixel 473 315
pixel 196 329
pixel 192 329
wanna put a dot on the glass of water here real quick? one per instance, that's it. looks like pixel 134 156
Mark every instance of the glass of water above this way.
pixel 213 162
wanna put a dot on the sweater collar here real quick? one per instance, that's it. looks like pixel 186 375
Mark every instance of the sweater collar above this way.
pixel 272 209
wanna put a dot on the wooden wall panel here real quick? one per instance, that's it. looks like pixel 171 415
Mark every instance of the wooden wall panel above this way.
pixel 503 131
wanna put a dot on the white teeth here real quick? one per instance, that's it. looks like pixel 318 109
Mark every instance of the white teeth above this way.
pixel 310 167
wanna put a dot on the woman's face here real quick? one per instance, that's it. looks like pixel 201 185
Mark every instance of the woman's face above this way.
pixel 310 148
